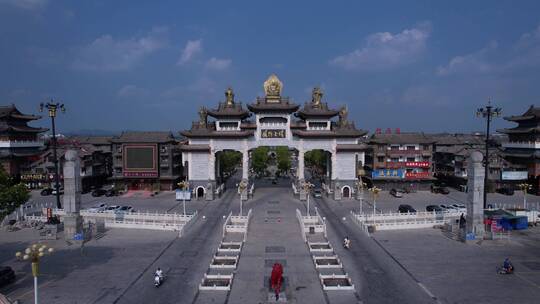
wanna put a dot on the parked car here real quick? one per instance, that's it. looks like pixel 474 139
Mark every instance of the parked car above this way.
pixel 439 189
pixel 125 209
pixel 61 191
pixel 112 208
pixel 506 191
pixel 111 192
pixel 98 208
pixel 396 192
pixel 460 207
pixel 317 193
pixel 7 275
pixel 431 208
pixel 46 191
pixel 406 209
pixel 99 192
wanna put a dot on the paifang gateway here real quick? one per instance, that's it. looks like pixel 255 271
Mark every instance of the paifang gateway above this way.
pixel 274 120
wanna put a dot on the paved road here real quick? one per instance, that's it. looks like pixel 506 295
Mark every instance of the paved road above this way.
pixel 379 279
pixel 184 261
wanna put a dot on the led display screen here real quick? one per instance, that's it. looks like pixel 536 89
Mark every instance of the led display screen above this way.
pixel 139 158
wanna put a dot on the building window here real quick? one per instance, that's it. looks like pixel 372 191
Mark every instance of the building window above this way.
pixel 410 159
pixel 380 159
pixel 394 148
pixel 394 159
pixel 425 147
pixel 410 148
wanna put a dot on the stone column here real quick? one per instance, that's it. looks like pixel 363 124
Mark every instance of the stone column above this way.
pixel 72 195
pixel 475 196
pixel 212 166
pixel 334 166
pixel 245 164
pixel 300 172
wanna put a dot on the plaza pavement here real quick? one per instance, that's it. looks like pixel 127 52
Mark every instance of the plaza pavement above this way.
pixel 450 271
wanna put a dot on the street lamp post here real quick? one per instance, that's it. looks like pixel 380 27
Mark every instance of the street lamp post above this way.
pixel 360 187
pixel 375 191
pixel 241 188
pixel 33 254
pixel 488 112
pixel 524 187
pixel 52 109
pixel 184 185
pixel 307 188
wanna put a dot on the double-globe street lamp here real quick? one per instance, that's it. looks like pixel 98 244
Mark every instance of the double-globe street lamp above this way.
pixel 242 186
pixel 487 112
pixel 307 186
pixel 184 185
pixel 525 187
pixel 33 254
pixel 360 186
pixel 52 108
pixel 375 191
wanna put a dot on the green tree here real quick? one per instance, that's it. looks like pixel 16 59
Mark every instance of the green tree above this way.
pixel 11 195
pixel 259 160
pixel 283 159
pixel 316 159
pixel 229 160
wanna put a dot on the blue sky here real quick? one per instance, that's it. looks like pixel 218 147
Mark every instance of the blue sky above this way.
pixel 148 65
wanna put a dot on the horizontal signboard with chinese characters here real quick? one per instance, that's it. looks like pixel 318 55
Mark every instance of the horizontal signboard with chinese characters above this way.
pixel 388 173
pixel 273 133
pixel 140 174
pixel 514 175
pixel 418 164
pixel 413 175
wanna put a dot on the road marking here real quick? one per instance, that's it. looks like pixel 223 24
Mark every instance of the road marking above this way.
pixel 527 280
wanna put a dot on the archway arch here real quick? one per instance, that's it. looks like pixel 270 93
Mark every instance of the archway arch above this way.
pixel 346 192
pixel 199 192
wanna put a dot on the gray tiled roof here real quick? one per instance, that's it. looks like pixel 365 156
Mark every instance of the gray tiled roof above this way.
pixel 144 137
pixel 402 138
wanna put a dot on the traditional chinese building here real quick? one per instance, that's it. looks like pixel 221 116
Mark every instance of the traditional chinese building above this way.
pixel 402 160
pixel 146 161
pixel 274 121
pixel 19 142
pixel 523 147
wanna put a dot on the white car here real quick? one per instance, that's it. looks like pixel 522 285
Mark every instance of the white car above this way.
pixel 98 208
pixel 447 207
pixel 112 208
pixel 125 209
pixel 460 207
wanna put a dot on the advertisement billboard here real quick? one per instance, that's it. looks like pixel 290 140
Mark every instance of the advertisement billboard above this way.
pixel 388 173
pixel 514 175
pixel 140 160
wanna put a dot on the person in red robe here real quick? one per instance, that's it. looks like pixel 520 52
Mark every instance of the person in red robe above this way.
pixel 276 279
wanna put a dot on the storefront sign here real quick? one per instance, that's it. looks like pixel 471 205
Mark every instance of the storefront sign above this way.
pixel 418 175
pixel 420 164
pixel 395 173
pixel 183 195
pixel 273 133
pixel 514 175
pixel 140 174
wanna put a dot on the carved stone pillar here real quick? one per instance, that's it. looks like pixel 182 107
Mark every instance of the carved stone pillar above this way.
pixel 72 195
pixel 300 172
pixel 475 196
pixel 245 164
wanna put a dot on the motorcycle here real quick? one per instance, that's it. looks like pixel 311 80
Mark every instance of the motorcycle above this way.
pixel 502 270
pixel 158 280
pixel 347 243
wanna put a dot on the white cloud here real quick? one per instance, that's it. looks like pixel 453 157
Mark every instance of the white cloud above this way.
pixel 201 87
pixel 527 51
pixel 192 48
pixel 131 91
pixel 109 54
pixel 474 62
pixel 385 50
pixel 217 64
pixel 26 4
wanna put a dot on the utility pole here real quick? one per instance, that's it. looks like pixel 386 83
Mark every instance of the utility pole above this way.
pixel 488 112
pixel 52 108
